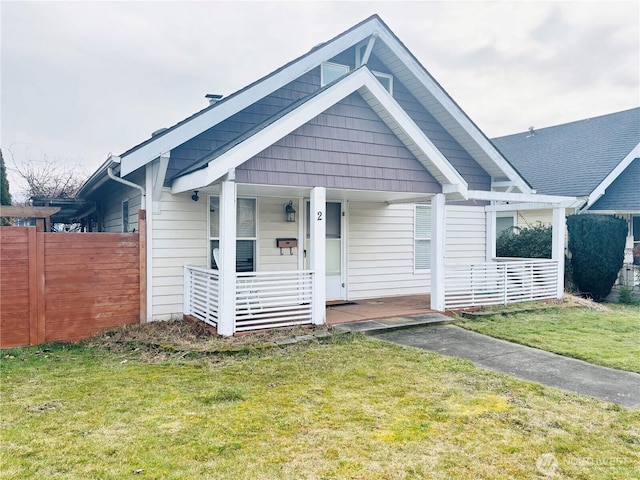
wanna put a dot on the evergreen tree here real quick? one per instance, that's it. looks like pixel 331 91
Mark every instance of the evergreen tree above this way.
pixel 5 196
pixel 4 184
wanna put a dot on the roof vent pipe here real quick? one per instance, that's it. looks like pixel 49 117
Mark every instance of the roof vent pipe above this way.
pixel 213 98
pixel 532 132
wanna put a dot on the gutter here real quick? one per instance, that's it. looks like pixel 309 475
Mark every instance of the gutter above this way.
pixel 112 176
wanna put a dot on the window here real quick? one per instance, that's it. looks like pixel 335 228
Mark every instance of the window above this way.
pixel 422 237
pixel 331 71
pixel 504 223
pixel 636 230
pixel 246 232
pixel 386 80
pixel 125 216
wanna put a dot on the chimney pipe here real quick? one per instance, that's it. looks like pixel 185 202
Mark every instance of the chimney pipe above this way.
pixel 213 98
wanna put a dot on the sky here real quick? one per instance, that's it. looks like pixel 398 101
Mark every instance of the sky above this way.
pixel 80 80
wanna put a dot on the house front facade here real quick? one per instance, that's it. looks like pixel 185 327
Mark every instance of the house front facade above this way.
pixel 346 174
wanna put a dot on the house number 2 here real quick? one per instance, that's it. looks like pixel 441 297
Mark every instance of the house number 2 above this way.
pixel 319 216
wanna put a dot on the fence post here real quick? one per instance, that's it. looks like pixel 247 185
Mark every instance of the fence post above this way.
pixel 40 289
pixel 142 251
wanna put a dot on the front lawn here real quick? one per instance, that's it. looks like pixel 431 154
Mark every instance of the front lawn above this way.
pixel 346 407
pixel 610 338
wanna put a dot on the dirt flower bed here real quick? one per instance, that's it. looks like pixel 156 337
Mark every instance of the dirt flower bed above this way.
pixel 183 339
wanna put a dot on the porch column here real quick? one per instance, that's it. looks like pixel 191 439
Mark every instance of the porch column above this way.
pixel 227 269
pixel 317 242
pixel 437 252
pixel 557 247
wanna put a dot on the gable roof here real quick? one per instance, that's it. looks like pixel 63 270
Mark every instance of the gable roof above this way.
pixel 581 158
pixel 389 49
pixel 361 80
pixel 623 195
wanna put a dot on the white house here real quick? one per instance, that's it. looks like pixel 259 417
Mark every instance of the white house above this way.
pixel 348 173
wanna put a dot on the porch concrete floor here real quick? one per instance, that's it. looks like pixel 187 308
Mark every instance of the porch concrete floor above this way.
pixel 377 308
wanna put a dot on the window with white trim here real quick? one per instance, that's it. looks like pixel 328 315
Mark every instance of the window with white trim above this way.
pixel 505 222
pixel 246 232
pixel 331 71
pixel 385 79
pixel 125 216
pixel 422 237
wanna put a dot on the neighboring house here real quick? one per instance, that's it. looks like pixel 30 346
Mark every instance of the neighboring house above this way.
pixel 346 174
pixel 596 160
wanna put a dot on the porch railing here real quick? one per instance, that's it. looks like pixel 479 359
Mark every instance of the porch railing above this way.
pixel 202 294
pixel 501 282
pixel 273 299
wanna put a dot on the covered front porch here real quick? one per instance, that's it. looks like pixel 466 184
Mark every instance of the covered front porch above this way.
pixel 384 245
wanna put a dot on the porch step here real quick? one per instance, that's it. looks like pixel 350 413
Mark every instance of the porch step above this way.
pixel 381 325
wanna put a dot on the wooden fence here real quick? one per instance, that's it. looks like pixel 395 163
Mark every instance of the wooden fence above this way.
pixel 68 286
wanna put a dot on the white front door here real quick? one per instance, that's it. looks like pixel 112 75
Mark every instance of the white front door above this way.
pixel 335 282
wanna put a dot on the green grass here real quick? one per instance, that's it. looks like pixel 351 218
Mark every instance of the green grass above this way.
pixel 609 338
pixel 349 407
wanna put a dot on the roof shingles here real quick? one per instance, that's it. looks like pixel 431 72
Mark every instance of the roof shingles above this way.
pixel 572 158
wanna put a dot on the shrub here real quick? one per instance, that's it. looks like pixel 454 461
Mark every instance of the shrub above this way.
pixel 532 242
pixel 625 296
pixel 596 243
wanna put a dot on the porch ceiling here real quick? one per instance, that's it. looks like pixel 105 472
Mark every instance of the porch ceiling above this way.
pixel 332 194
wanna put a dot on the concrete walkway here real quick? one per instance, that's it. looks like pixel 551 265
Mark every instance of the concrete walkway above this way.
pixel 615 386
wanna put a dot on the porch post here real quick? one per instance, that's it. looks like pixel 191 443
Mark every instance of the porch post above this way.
pixel 226 320
pixel 317 242
pixel 490 235
pixel 557 247
pixel 437 252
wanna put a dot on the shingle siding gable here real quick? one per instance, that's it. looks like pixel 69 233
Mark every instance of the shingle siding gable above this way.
pixel 348 146
pixel 199 146
pixel 191 151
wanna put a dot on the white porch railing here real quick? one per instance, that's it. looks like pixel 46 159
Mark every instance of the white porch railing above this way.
pixel 273 299
pixel 501 282
pixel 202 294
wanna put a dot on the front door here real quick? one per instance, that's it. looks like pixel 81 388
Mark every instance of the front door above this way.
pixel 334 251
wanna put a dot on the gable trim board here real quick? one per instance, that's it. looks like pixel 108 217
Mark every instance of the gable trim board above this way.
pixel 361 81
pixel 600 190
pixel 449 114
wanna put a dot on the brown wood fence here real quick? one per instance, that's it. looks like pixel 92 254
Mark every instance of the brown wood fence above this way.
pixel 68 286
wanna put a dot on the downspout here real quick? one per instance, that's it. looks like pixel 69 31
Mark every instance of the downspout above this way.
pixel 143 206
pixel 126 182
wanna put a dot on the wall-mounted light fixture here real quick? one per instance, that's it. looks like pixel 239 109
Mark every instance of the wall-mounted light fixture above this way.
pixel 195 196
pixel 290 212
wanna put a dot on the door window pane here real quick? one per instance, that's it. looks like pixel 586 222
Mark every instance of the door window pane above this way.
pixel 246 218
pixel 422 237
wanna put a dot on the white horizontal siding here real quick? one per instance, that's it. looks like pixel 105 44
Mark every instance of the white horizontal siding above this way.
pixel 179 238
pixel 380 252
pixel 535 218
pixel 112 213
pixel 465 234
pixel 272 225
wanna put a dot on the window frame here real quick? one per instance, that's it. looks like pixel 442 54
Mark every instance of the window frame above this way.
pixel 417 238
pixel 388 76
pixel 124 214
pixel 512 216
pixel 212 238
pixel 332 64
